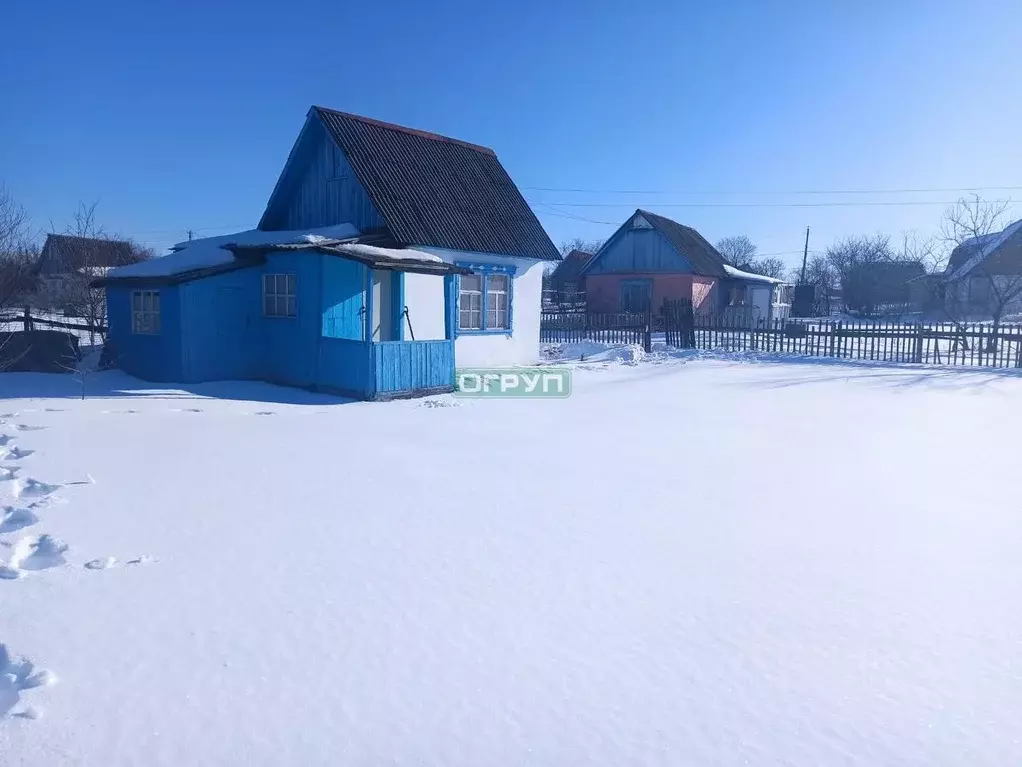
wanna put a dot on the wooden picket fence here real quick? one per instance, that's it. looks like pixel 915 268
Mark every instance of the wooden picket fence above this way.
pixel 572 327
pixel 966 344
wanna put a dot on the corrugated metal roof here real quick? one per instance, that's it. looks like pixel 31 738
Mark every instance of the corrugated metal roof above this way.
pixel 705 259
pixel 439 192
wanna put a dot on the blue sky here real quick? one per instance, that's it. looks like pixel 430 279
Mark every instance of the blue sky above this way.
pixel 179 115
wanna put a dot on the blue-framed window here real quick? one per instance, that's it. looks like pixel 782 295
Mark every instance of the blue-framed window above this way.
pixel 485 299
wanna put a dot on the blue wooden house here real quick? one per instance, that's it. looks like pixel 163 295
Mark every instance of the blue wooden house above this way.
pixel 385 256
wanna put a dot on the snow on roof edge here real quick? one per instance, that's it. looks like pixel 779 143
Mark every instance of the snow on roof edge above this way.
pixel 730 271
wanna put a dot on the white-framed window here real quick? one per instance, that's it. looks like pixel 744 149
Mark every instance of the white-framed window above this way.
pixel 470 302
pixel 145 311
pixel 497 291
pixel 484 299
pixel 280 295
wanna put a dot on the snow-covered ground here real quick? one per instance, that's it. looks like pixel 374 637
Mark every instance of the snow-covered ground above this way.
pixel 693 560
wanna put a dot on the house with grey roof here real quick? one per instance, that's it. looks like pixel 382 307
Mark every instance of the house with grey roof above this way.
pixel 651 259
pixel 385 255
pixel 983 277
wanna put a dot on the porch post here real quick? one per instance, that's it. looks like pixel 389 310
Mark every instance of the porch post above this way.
pixel 449 306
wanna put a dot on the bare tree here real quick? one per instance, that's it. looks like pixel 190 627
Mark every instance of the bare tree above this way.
pixel 737 250
pixel 855 261
pixel 768 267
pixel 88 253
pixel 580 243
pixel 981 273
pixel 17 264
pixel 17 251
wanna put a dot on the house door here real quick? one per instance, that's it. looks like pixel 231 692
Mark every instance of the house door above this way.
pixel 636 295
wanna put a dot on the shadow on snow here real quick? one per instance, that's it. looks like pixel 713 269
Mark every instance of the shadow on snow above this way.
pixel 114 383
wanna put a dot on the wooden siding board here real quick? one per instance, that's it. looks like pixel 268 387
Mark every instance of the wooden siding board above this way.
pixel 343 299
pixel 639 250
pixel 319 188
pixel 151 357
pixel 411 366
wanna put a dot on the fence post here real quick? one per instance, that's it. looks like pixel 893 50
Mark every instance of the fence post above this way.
pixel 833 338
pixel 27 319
pixel 647 333
pixel 918 352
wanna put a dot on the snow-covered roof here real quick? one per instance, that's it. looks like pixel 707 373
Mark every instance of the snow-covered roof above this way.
pixel 210 252
pixel 984 247
pixel 738 274
pixel 390 254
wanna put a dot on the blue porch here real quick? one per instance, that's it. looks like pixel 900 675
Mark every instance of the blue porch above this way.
pixel 302 318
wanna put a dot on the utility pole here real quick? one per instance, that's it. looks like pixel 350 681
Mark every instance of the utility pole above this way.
pixel 805 256
pixel 191 234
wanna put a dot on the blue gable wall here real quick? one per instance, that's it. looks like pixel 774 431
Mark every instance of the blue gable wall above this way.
pixel 157 356
pixel 632 251
pixel 318 188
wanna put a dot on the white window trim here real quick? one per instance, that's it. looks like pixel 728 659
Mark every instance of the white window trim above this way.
pixel 145 321
pixel 288 298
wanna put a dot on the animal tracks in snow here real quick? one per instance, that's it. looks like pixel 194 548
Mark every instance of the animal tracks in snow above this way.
pixel 16 676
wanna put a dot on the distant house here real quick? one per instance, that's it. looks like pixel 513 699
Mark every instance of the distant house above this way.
pixel 65 258
pixel 384 255
pixel 651 258
pixel 567 282
pixel 984 274
pixel 879 286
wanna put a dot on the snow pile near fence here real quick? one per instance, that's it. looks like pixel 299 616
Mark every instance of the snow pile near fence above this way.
pixel 775 564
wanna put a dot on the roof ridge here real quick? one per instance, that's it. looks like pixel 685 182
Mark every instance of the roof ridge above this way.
pixel 409 131
pixel 83 237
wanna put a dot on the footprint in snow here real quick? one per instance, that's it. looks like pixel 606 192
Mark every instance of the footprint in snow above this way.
pixel 16 676
pixel 28 427
pixel 14 453
pixel 53 410
pixel 32 488
pixel 186 410
pixel 265 412
pixel 35 553
pixel 120 412
pixel 13 519
pixel 8 472
pixel 105 563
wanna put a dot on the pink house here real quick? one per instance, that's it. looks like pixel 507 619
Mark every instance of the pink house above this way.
pixel 651 258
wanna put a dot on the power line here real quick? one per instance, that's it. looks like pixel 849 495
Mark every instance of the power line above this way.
pixel 777 192
pixel 868 203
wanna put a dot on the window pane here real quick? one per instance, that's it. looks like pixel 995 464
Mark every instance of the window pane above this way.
pixel 471 282
pixel 156 301
pixel 268 305
pixel 292 283
pixel 147 301
pixel 136 301
pixel 292 306
pixel 497 283
pixel 267 283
